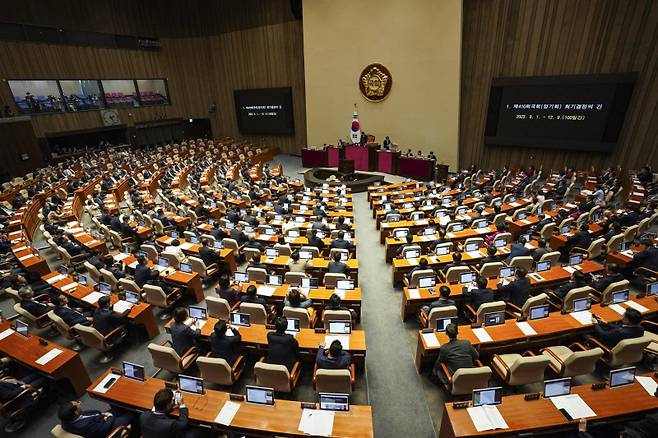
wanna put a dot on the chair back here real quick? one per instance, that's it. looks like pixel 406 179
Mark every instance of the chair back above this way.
pixel 284 249
pixel 465 380
pixel 614 243
pixel 151 252
pixel 595 248
pixel 231 244
pixel 171 259
pixel 471 240
pixel 453 274
pixel 411 248
pixel 628 351
pixel 32 320
pixel 631 233
pixel 215 370
pixel 499 219
pixel 312 249
pixel 259 275
pixel 335 315
pixel 294 278
pixel 575 294
pixel 440 312
pixel 272 376
pixel 59 432
pixel 198 266
pixel 165 357
pixel 93 272
pixel 547 230
pixel 13 293
pixel 553 257
pixel 495 306
pixel 109 278
pixel 249 253
pixel 506 236
pixel 537 300
pixel 335 381
pixel 527 370
pixel 298 313
pixel 522 262
pixel 91 337
pixel 61 326
pixel 218 308
pixel 606 295
pixel 443 245
pixel 155 296
pixel 130 285
pixel 581 362
pixel 330 279
pixel 257 313
pixel 338 250
pixel 491 269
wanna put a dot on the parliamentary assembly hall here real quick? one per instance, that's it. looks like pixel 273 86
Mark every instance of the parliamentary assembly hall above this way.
pixel 329 218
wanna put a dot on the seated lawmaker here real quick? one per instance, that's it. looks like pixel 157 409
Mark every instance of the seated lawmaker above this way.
pixel 282 347
pixel 91 423
pixel 454 355
pixel 183 337
pixel 142 272
pixel 341 242
pixel 334 357
pixel 251 296
pixel 610 334
pixel 491 256
pixel 295 264
pixel 159 423
pixel 29 304
pixel 516 291
pixel 336 266
pixel 70 316
pixel 518 249
pixel 226 291
pixel 612 275
pixel 578 279
pixel 423 265
pixel 480 295
pixel 224 345
pixel 296 298
pixel 443 301
pixel 105 319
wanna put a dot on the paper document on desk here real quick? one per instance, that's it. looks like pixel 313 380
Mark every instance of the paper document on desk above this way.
pixel 340 293
pixel 49 356
pixel 486 417
pixel 569 269
pixel 525 221
pixel 414 294
pixel 316 422
pixel 412 261
pixel 69 286
pixel 92 298
pixel 628 253
pixel 574 405
pixel 648 384
pixel 529 246
pixel 20 248
pixel 25 257
pixel 482 334
pixel 56 278
pixel 474 254
pixel 526 328
pixel 185 246
pixel 6 333
pixel 266 291
pixel 422 222
pixel 451 235
pixel 514 204
pixel 120 257
pixel 617 308
pixel 168 240
pixel 121 306
pixel 226 414
pixel 431 340
pixel 100 388
pixel 637 306
pixel 344 340
pixel 584 317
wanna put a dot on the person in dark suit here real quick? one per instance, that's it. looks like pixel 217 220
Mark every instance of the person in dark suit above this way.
pixel 159 423
pixel 610 334
pixel 543 220
pixel 454 355
pixel 96 261
pixel 647 258
pixel 91 423
pixel 208 255
pixel 482 294
pixel 142 272
pixel 224 346
pixel 612 275
pixel 518 249
pixel 491 256
pixel 183 337
pixel 114 267
pixel 409 243
pixel 105 319
pixel 238 235
pixel 340 242
pixel 443 301
pixel 233 216
pixel 336 266
pixel 256 263
pixel 578 279
pixel 315 241
pixel 282 347
pixel 542 248
pixel 334 303
pixel 226 291
pixel 253 243
pixel 581 239
pixel 456 261
pixel 32 306
pixel 318 211
pixel 423 264
pixel 162 218
pixel 250 296
pixel 70 316
pixel 10 388
pixel 341 225
pixel 516 291
pixel 333 358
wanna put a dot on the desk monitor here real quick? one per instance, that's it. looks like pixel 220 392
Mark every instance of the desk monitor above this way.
pixel 174 234
pixel 620 297
pixel 652 288
pixel 104 288
pixel 217 244
pixel 557 387
pixel 538 211
pixel 462 210
pixel 539 312
pixel 240 319
pixel 63 269
pixel 622 376
pixel 293 233
pixel 278 217
pixel 271 253
pixel 344 256
pixel 401 234
pixel 466 277
pixel 443 249
pixel 240 277
pixel 411 254
pixel 259 395
pixel 442 323
pixel 126 251
pixel 498 203
pixel 142 254
pixel 82 279
pixel 582 304
pixel 293 324
pixel 303 208
pixel 133 371
pixel 163 262
pixel 408 205
pixel 186 267
pixel 521 216
pixel 426 281
pixel 230 225
pixel 527 237
pixel 309 283
pixel 543 266
pixel 22 328
pixel 445 201
pixel 334 402
pixel 494 318
pixel 457 227
pixel 481 224
pixel 441 213
pixel 305 255
pixel 499 243
pixel 269 231
pixel 300 219
pixel 132 297
pixel 190 384
pixel 194 239
pixel 487 396
pixel 274 280
pixel 429 231
pixel 575 260
pixel 198 312
pixel 340 327
pixel 345 284
pixel 505 272
pixel 566 229
pixel 625 246
pixel 429 202
pixel 511 199
pixel 387 207
pixel 474 246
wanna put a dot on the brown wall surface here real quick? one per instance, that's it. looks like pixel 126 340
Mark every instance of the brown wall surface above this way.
pixel 16 138
pixel 504 38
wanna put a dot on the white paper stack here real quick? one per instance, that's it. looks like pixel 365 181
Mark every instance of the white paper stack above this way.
pixel 486 417
pixel 414 293
pixel 474 254
pixel 482 230
pixel 49 356
pixel 6 333
pixel 266 291
pixel 584 317
pixel 412 261
pixel 340 293
pixel 648 384
pixel 120 257
pixel 574 405
pixel 637 306
pixel 316 422
pixel 431 340
pixel 344 340
pixel 121 306
pixel 227 413
pixel 617 308
pixel 92 297
pixel 101 386
pixel 70 286
pixel 482 334
pixel 526 328
pixel 569 269
pixel 25 257
pixel 56 278
pixel 185 246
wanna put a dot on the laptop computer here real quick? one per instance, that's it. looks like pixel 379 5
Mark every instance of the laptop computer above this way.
pixel 557 387
pixel 334 402
pixel 487 396
pixel 133 371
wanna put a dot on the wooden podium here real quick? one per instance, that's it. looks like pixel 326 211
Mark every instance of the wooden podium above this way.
pixel 346 166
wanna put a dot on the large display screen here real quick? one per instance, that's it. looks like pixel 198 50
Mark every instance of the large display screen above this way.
pixel 264 111
pixel 584 112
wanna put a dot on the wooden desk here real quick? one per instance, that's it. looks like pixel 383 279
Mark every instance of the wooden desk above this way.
pixel 66 366
pixel 193 249
pixel 281 419
pixel 557 329
pixel 610 404
pixel 29 258
pixel 560 240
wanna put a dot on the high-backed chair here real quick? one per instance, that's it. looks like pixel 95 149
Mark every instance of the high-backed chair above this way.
pixel 478 316
pixel 606 295
pixel 553 257
pixel 14 410
pixel 547 230
pixel 218 371
pixel 109 278
pixel 465 380
pixel 439 248
pixel 151 252
pixel 491 269
pixel 166 358
pixel 284 249
pixel 249 253
pixel 594 250
pixel 631 233
pixel 200 267
pixel 259 275
pixel 130 285
pixel 40 322
pixel 172 260
pixel 335 315
pixel 573 295
pixel 454 273
pixel 626 352
pixel 65 330
pixel 505 236
pixel 429 320
pixel 93 272
pixel 516 369
pixel 340 251
pixel 294 278
pixel 276 376
pixel 330 279
pixel 524 311
pixel 565 362
pixel 257 312
pixel 416 276
pixel 334 381
pixel 312 249
pixel 525 262
pixel 92 338
pixel 118 432
pixel 306 320
pixel 410 248
pixel 156 296
pixel 218 308
pixel 614 243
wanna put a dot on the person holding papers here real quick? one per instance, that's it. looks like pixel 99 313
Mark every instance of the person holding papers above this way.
pixel 224 346
pixel 444 300
pixel 336 266
pixel 480 295
pixel 70 316
pixel 159 423
pixel 517 249
pixel 333 358
pixel 183 337
pixel 91 423
pixel 516 291
pixel 456 354
pixel 282 347
pixel 610 334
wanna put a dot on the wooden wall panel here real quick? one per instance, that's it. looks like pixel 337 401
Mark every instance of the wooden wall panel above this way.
pixel 208 49
pixel 16 138
pixel 559 37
